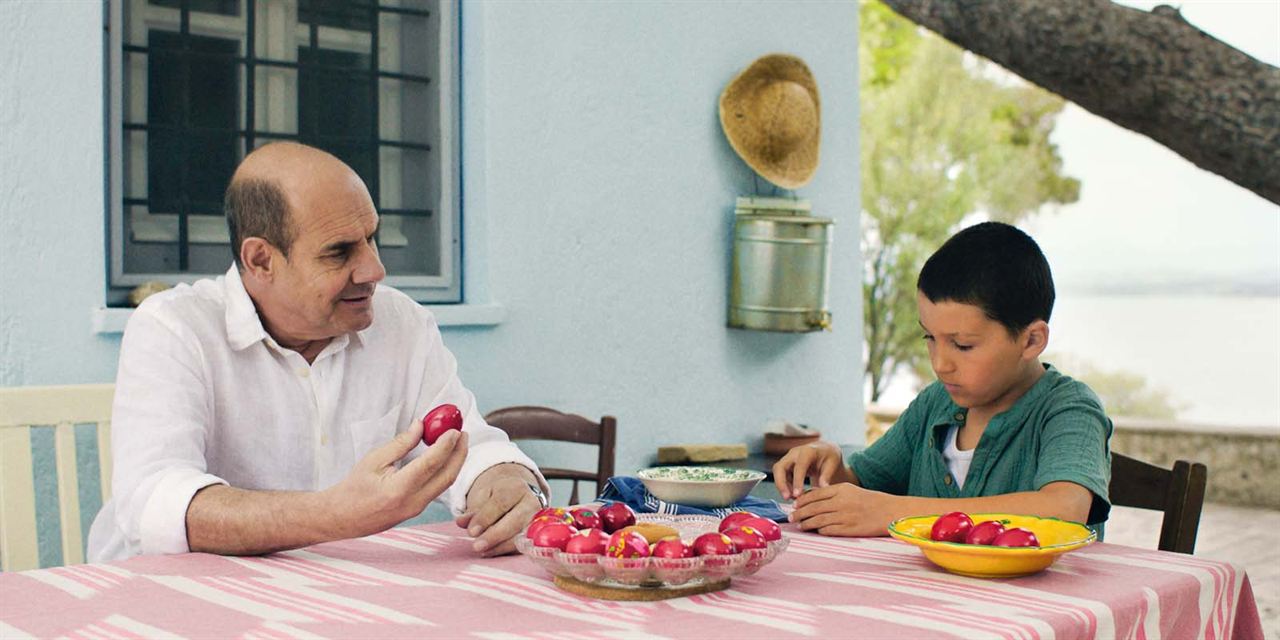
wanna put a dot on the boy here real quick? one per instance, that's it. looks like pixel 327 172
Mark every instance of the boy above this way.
pixel 998 432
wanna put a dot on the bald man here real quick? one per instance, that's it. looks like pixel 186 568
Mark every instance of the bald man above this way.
pixel 280 405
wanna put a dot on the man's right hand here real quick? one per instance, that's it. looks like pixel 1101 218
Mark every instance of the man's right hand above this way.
pixel 821 462
pixel 376 495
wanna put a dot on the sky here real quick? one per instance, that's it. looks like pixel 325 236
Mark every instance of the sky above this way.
pixel 1147 213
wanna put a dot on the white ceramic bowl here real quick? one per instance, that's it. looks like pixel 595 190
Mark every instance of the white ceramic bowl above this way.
pixel 700 486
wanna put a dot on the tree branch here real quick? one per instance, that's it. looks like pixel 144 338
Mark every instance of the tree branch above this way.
pixel 1153 73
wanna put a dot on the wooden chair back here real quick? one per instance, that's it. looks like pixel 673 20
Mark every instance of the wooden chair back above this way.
pixel 1178 492
pixel 23 410
pixel 543 423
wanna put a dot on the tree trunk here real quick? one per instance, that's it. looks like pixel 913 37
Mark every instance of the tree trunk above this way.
pixel 1152 72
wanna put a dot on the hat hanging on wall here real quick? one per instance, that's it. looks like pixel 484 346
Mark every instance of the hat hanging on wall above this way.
pixel 772 116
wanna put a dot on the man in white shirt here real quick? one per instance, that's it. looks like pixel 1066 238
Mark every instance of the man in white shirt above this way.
pixel 280 405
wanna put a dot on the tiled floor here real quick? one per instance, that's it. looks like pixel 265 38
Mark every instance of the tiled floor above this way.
pixel 1244 536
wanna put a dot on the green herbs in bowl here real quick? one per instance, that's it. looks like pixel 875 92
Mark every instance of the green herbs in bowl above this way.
pixel 699 486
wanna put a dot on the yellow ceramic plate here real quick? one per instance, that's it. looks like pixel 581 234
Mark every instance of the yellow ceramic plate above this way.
pixel 981 561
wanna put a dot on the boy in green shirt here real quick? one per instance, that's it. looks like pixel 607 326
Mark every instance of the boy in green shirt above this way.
pixel 998 432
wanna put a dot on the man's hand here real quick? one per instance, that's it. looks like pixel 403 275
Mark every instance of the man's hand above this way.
pixel 499 505
pixel 845 510
pixel 821 462
pixel 376 495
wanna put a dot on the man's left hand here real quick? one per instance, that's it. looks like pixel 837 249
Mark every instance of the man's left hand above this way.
pixel 499 505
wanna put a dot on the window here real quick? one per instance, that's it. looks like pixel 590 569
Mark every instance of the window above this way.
pixel 196 83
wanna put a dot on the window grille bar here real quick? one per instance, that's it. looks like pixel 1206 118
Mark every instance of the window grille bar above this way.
pixel 198 207
pixel 410 213
pixel 283 64
pixel 250 75
pixel 258 133
pixel 375 119
pixel 375 8
pixel 184 258
pixel 419 13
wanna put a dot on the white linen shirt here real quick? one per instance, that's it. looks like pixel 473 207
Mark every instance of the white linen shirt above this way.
pixel 205 396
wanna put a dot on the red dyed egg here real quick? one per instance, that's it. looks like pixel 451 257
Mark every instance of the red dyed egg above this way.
pixel 553 534
pixel 586 519
pixel 627 544
pixel 984 532
pixel 588 541
pixel 440 420
pixel 951 527
pixel 616 516
pixel 671 548
pixel 541 521
pixel 551 511
pixel 767 528
pixel 735 519
pixel 1016 537
pixel 746 537
pixel 714 544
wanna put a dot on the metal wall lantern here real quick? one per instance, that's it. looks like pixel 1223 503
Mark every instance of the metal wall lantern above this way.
pixel 781 266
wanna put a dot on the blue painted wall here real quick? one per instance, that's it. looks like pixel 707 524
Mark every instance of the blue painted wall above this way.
pixel 598 195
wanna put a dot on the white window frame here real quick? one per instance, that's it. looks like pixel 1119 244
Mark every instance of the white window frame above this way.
pixel 280 111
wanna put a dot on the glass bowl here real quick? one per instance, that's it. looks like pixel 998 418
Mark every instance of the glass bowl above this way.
pixel 654 572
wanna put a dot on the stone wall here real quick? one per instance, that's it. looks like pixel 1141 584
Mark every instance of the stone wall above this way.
pixel 1243 462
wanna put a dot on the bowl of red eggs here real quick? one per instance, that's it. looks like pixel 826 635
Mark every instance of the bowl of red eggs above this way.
pixel 608 546
pixel 992 545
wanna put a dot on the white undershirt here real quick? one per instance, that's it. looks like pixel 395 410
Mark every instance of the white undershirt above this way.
pixel 957 460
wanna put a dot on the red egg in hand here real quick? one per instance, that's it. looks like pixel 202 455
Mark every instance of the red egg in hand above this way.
pixel 951 527
pixel 440 420
pixel 714 544
pixel 735 519
pixel 671 548
pixel 984 532
pixel 592 541
pixel 1016 537
pixel 767 528
pixel 586 519
pixel 746 537
pixel 553 534
pixel 627 544
pixel 616 516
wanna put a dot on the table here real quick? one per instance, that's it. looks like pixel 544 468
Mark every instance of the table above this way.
pixel 425 581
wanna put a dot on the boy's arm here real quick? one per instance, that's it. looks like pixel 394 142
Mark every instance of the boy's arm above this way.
pixel 848 510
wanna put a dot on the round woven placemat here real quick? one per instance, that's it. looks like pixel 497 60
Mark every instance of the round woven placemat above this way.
pixel 637 594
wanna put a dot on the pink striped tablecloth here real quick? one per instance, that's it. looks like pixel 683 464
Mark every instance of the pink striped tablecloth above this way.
pixel 425 582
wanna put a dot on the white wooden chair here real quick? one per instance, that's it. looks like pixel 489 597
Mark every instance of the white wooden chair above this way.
pixel 60 408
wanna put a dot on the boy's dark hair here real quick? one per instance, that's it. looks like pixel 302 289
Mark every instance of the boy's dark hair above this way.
pixel 995 267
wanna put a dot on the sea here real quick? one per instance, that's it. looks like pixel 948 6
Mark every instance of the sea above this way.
pixel 1217 357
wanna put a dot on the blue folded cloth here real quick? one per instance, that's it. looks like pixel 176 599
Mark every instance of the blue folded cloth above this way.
pixel 633 492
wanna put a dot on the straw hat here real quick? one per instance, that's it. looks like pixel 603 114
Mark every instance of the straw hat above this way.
pixel 772 116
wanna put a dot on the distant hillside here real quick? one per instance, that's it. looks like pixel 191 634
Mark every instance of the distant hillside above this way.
pixel 1262 285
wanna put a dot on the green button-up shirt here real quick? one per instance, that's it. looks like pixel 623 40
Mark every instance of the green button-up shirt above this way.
pixel 1057 431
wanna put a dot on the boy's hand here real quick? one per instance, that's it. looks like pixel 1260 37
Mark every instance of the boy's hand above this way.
pixel 844 510
pixel 821 462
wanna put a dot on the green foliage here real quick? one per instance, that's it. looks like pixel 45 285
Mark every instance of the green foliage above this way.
pixel 944 136
pixel 1123 393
